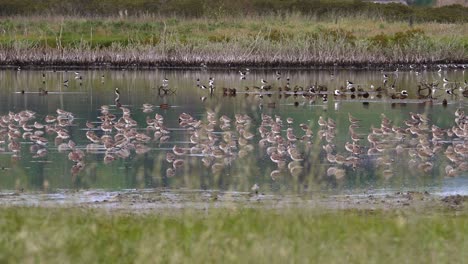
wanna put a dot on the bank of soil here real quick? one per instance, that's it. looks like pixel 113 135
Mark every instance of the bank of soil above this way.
pixel 156 200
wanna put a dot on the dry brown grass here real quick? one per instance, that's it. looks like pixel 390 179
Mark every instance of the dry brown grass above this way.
pixel 451 2
pixel 270 40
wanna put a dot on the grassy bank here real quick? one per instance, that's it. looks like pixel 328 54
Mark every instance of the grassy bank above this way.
pixel 324 9
pixel 232 235
pixel 270 40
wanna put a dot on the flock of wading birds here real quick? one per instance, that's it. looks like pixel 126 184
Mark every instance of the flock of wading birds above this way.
pixel 218 141
pixel 425 90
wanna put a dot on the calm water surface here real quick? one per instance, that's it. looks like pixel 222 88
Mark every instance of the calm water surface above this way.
pixel 257 146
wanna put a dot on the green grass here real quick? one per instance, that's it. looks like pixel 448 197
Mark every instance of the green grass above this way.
pixel 293 39
pixel 70 31
pixel 229 33
pixel 324 9
pixel 44 235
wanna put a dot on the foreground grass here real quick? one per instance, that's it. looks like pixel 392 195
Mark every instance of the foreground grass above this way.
pixel 261 40
pixel 232 235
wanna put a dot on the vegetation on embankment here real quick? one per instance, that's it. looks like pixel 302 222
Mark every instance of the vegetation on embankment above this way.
pixel 269 40
pixel 52 235
pixel 273 40
pixel 324 9
pixel 229 33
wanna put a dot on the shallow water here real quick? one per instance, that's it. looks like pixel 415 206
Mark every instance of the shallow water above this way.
pixel 405 162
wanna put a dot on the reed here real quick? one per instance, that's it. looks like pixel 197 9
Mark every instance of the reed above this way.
pixel 323 9
pixel 274 40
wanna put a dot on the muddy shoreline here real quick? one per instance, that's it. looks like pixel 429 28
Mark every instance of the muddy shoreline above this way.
pixel 160 200
pixel 181 65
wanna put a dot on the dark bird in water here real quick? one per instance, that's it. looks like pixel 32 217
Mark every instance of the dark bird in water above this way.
pixel 325 98
pixel 465 93
pixel 229 91
pixel 43 92
pixel 164 106
pixel 65 83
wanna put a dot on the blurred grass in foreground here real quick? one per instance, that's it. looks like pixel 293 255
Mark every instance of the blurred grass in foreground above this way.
pixel 45 235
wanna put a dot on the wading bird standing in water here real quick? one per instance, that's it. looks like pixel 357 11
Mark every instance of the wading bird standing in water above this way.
pixel 117 97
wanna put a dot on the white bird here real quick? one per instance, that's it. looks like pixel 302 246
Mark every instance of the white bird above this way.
pixel 242 74
pixel 255 188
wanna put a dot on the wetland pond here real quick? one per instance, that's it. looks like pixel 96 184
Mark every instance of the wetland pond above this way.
pixel 292 134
